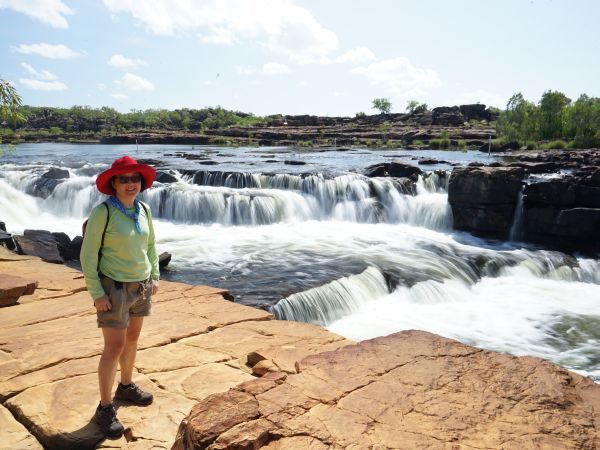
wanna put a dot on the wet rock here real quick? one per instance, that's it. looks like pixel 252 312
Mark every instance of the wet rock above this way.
pixel 483 199
pixel 376 170
pixel 56 173
pixel 397 169
pixel 44 187
pixel 292 162
pixel 13 287
pixel 209 162
pixel 165 177
pixel 6 239
pixel 164 259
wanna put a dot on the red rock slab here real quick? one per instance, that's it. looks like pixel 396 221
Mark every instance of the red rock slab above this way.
pixel 12 287
pixel 409 390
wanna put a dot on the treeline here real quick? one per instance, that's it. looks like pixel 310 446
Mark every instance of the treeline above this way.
pixel 555 118
pixel 87 119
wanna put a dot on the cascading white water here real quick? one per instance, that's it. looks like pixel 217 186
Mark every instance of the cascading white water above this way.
pixel 273 236
pixel 324 304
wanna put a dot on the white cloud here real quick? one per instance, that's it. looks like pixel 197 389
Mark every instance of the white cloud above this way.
pixel 119 97
pixel 358 55
pixel 135 83
pixel 245 70
pixel 399 75
pixel 279 25
pixel 101 86
pixel 43 75
pixel 273 68
pixel 58 51
pixel 479 96
pixel 50 12
pixel 39 85
pixel 303 84
pixel 123 62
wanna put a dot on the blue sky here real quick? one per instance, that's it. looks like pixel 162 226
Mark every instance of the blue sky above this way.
pixel 327 57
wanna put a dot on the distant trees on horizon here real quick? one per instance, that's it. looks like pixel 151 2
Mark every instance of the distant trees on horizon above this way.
pixel 554 118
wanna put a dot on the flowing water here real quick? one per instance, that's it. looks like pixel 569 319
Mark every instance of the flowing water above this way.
pixel 321 243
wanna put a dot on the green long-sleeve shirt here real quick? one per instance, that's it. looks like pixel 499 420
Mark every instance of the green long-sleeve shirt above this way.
pixel 126 255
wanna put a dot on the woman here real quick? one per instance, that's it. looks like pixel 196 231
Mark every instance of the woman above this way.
pixel 120 266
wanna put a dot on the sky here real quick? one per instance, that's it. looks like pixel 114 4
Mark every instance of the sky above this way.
pixel 323 57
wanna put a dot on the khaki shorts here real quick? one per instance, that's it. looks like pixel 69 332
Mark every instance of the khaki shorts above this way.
pixel 128 299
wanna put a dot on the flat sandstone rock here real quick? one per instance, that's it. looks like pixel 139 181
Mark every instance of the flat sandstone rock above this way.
pixel 194 344
pixel 409 390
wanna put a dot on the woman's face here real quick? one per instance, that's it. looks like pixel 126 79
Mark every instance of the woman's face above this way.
pixel 127 185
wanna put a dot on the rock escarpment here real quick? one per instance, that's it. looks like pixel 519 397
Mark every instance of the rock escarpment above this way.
pixel 561 211
pixel 407 390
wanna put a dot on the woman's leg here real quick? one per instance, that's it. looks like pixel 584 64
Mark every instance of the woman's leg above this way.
pixel 114 342
pixel 127 358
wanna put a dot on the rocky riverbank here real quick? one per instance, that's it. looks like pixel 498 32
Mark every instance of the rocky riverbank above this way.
pixel 230 376
pixel 464 126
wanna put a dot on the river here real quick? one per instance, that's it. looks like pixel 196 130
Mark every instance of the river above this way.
pixel 304 234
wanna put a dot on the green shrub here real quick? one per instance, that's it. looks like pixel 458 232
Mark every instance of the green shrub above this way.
pixel 558 143
pixel 462 144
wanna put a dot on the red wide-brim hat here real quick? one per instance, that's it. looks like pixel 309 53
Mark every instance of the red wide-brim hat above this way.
pixel 123 165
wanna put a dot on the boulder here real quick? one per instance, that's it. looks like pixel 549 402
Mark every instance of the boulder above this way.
pixel 74 249
pixel 164 259
pixel 408 390
pixel 165 177
pixel 13 287
pixel 43 186
pixel 63 241
pixel 56 174
pixel 396 169
pixel 7 240
pixel 401 169
pixel 39 243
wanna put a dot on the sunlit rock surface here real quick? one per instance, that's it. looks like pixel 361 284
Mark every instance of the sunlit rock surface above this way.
pixel 195 344
pixel 409 390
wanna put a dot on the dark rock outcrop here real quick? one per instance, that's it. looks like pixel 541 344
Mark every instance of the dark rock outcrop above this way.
pixel 397 169
pixel 56 174
pixel 39 243
pixel 165 177
pixel 483 199
pixel 563 213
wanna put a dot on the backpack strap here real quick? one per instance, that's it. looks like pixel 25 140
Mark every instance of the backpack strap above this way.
pixel 145 208
pixel 103 234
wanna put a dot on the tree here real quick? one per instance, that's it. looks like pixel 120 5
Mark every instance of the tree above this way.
pixel 414 107
pixel 10 102
pixel 551 107
pixel 382 104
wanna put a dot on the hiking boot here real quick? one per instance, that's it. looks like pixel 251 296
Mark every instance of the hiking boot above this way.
pixel 132 393
pixel 106 418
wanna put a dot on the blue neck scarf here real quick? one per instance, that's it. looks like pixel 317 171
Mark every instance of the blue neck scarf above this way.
pixel 133 216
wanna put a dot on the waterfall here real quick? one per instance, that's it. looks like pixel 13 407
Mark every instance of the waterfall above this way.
pixel 232 198
pixel 324 304
pixel 516 230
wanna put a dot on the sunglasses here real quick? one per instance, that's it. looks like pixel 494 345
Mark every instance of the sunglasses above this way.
pixel 122 179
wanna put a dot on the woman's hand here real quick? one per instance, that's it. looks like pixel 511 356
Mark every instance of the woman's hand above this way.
pixel 102 304
pixel 154 286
